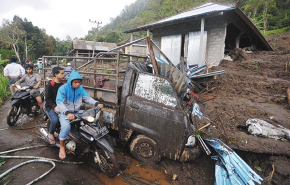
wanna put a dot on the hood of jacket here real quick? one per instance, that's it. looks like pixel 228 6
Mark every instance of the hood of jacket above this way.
pixel 74 75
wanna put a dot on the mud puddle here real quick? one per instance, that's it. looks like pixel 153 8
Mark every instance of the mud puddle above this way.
pixel 135 174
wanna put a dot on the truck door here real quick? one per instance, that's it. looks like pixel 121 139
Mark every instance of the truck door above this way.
pixel 153 110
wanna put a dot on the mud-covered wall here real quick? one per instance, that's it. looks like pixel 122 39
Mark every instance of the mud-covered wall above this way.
pixel 216 33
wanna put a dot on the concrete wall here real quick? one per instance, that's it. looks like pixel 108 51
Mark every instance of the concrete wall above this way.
pixel 215 26
pixel 216 39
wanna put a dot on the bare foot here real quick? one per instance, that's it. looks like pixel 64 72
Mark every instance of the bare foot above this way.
pixel 62 153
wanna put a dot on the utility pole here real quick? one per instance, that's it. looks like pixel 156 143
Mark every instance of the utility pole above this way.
pixel 98 25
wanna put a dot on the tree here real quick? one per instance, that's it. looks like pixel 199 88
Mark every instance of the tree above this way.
pixel 11 34
pixel 113 37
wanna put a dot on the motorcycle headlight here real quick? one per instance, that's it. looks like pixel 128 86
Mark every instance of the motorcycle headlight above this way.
pixel 90 118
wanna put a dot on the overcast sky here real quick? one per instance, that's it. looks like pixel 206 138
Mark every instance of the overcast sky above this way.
pixel 63 17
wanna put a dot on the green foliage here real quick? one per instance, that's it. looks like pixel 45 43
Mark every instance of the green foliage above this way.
pixel 3 86
pixel 6 53
pixel 29 37
pixel 143 12
pixel 3 62
pixel 113 37
pixel 258 168
pixel 277 31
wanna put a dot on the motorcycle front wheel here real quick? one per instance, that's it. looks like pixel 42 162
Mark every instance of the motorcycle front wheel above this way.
pixel 13 115
pixel 108 163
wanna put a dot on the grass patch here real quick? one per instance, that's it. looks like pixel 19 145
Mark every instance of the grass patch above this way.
pixel 275 31
pixel 7 178
pixel 4 83
pixel 256 66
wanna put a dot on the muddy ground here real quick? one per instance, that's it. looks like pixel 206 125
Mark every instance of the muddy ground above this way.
pixel 250 88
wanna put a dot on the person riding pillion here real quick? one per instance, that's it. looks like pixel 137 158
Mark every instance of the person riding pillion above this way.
pixel 69 100
pixel 50 103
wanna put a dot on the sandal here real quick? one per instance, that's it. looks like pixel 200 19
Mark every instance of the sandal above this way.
pixel 61 155
pixel 51 141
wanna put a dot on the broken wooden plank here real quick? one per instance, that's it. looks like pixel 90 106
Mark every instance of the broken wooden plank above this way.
pixel 288 95
pixel 152 55
pixel 207 99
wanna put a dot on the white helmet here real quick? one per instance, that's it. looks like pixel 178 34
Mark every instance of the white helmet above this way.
pixel 68 64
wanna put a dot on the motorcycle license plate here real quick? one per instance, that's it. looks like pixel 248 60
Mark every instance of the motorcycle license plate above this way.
pixel 101 132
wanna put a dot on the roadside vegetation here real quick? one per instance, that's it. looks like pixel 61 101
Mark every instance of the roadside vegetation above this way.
pixel 3 81
pixel 3 86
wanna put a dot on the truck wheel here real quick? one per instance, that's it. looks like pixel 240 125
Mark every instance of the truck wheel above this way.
pixel 145 149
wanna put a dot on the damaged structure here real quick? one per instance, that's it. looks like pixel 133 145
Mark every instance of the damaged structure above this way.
pixel 139 48
pixel 204 34
pixel 82 48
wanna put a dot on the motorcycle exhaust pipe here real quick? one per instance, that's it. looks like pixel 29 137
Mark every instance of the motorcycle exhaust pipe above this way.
pixel 43 133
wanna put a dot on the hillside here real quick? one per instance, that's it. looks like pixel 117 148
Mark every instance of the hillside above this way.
pixel 268 15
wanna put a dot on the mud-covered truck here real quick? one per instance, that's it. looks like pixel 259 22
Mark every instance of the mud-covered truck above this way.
pixel 144 108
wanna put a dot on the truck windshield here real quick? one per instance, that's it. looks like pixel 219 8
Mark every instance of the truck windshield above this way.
pixel 155 89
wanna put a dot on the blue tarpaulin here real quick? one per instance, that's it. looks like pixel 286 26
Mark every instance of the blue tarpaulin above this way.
pixel 230 168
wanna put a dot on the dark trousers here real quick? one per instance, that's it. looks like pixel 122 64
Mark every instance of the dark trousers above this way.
pixel 13 80
pixel 53 121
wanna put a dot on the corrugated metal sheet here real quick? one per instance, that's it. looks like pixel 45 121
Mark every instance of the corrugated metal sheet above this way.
pixel 206 8
pixel 101 48
pixel 89 45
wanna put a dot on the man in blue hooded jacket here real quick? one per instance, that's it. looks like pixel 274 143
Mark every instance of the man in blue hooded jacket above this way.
pixel 69 100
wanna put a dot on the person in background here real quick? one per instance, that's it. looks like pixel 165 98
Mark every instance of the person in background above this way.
pixel 13 72
pixel 68 70
pixel 33 80
pixel 26 62
pixel 69 99
pixel 40 66
pixel 50 103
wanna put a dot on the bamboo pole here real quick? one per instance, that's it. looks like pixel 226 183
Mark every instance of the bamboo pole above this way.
pixel 152 55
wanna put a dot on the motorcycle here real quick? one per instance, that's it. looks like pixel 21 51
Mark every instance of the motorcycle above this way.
pixel 87 137
pixel 23 103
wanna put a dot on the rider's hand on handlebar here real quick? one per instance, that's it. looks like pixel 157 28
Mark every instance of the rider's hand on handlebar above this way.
pixel 70 116
pixel 101 105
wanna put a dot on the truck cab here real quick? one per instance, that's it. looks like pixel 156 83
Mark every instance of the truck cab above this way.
pixel 153 120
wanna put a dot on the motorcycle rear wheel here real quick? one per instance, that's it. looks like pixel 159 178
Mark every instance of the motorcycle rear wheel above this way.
pixel 13 115
pixel 108 164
